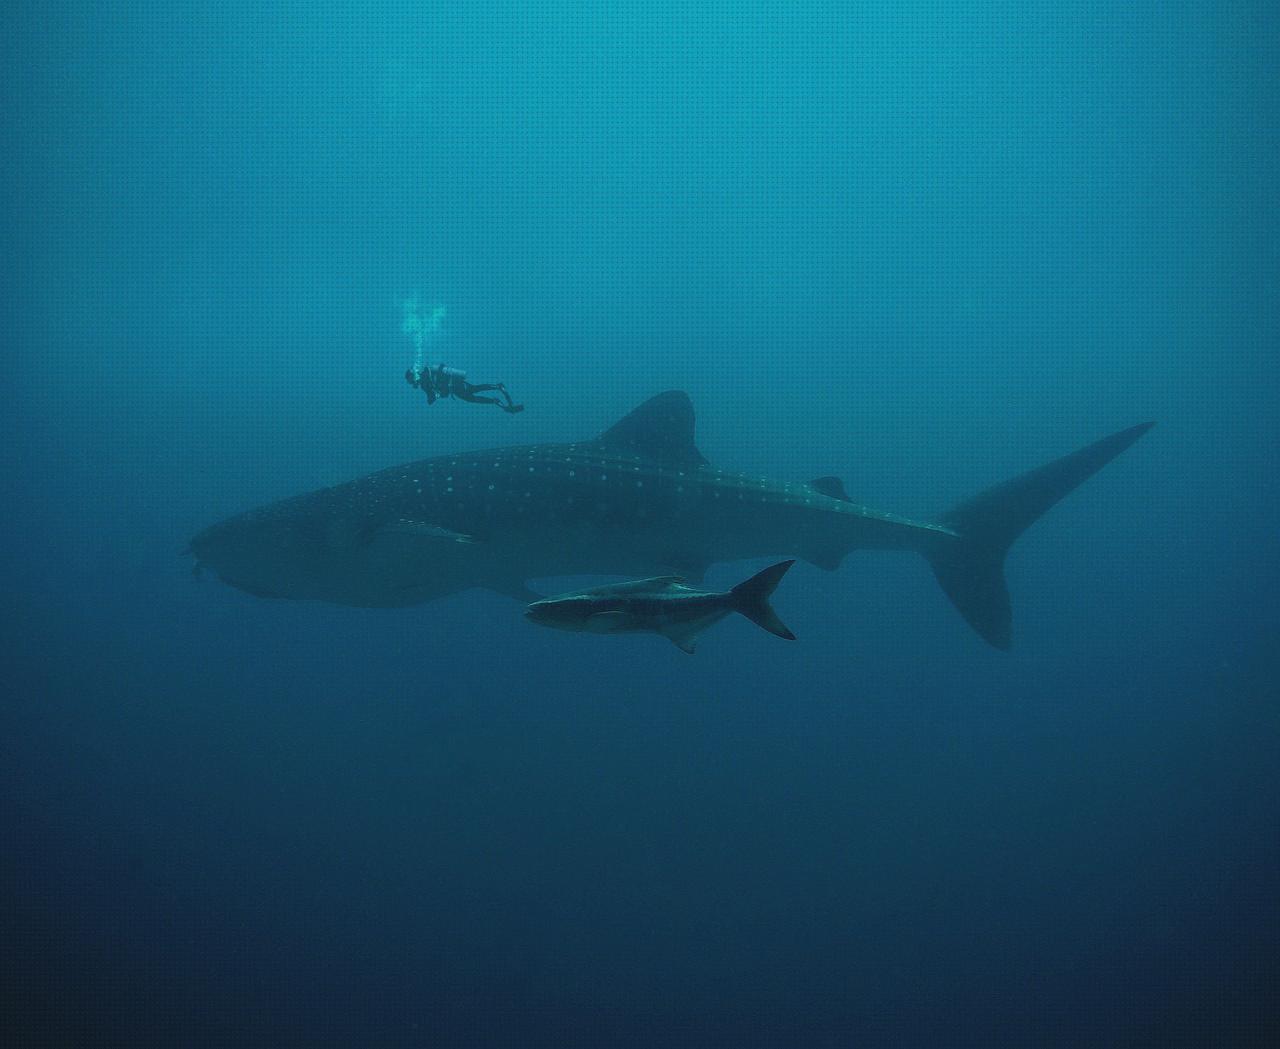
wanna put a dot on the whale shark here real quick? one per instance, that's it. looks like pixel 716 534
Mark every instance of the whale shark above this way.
pixel 637 500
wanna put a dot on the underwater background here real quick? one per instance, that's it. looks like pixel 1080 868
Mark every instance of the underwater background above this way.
pixel 921 246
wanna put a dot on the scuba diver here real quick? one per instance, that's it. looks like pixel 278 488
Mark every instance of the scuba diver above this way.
pixel 450 382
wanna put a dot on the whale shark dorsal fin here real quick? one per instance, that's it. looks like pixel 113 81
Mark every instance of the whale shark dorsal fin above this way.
pixel 660 429
pixel 832 487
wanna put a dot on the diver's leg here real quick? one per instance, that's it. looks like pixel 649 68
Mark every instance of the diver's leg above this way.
pixel 467 395
pixel 510 403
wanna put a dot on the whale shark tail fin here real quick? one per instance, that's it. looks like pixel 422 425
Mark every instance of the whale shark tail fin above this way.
pixel 970 569
pixel 751 598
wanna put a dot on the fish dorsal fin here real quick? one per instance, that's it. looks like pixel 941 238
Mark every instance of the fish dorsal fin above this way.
pixel 660 429
pixel 638 586
pixel 832 487
pixel 667 582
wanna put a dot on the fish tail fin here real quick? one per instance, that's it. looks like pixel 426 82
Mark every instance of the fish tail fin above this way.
pixel 751 598
pixel 970 568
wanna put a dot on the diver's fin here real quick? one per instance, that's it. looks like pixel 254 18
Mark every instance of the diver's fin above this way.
pixel 970 568
pixel 751 598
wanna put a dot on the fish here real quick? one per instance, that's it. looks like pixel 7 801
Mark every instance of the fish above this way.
pixel 638 500
pixel 665 605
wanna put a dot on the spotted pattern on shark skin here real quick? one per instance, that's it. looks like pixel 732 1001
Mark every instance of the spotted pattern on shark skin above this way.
pixel 498 485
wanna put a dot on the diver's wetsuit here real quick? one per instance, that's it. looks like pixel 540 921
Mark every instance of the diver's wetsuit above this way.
pixel 449 382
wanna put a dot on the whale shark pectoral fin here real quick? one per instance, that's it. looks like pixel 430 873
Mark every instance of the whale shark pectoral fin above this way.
pixel 424 530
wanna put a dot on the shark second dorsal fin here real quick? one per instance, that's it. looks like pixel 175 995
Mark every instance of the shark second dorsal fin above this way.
pixel 660 429
pixel 832 487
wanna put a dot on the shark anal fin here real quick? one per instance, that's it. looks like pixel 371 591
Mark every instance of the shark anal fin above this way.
pixel 827 558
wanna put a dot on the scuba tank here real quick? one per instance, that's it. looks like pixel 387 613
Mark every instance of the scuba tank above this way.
pixel 443 379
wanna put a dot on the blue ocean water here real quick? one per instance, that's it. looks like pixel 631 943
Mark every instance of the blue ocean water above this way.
pixel 921 246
